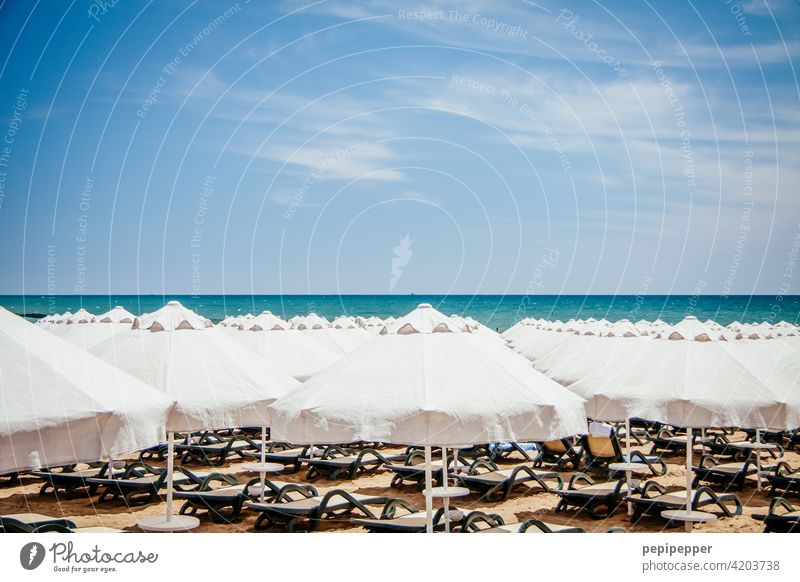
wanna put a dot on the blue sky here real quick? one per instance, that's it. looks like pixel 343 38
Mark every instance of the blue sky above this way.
pixel 436 147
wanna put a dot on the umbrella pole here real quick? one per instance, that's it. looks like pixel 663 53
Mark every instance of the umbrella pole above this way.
pixel 628 474
pixel 428 487
pixel 758 460
pixel 170 469
pixel 263 475
pixel 689 451
pixel 444 485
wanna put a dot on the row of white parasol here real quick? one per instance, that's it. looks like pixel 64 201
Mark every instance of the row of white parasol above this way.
pixel 689 328
pixel 426 380
pixel 696 383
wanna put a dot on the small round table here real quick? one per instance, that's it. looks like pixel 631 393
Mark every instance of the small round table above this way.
pixel 688 517
pixel 161 523
pixel 446 494
pixel 629 468
pixel 748 446
pixel 262 469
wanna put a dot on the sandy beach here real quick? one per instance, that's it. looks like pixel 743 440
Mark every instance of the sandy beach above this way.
pixel 524 503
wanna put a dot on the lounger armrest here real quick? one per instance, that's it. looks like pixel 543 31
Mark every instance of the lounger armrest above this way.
pixel 578 477
pixel 665 433
pixel 205 482
pixel 719 500
pixel 415 457
pixel 474 521
pixel 782 503
pixel 475 468
pixel 305 491
pixel 390 508
pixel 277 447
pixel 529 523
pixel 618 487
pixel 136 468
pixel 652 485
pixel 784 468
pixel 332 451
pixel 708 461
pixel 370 452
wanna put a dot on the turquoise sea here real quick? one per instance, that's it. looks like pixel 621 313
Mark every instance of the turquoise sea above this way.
pixel 496 311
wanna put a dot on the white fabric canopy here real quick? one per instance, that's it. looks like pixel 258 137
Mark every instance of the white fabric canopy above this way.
pixel 424 319
pixel 60 405
pixel 292 352
pixel 80 316
pixel 339 340
pixel 215 382
pixel 171 317
pixel 89 335
pixel 428 389
pixel 265 321
pixel 684 383
pixel 117 315
pixel 311 321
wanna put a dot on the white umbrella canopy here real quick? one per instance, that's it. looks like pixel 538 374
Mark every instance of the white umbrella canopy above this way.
pixel 171 317
pixel 265 321
pixel 339 340
pixel 691 328
pixel 87 336
pixel 311 321
pixel 215 382
pixel 344 322
pixel 292 352
pixel 578 356
pixel 59 404
pixel 683 383
pixel 80 316
pixel 424 319
pixel 429 389
pixel 117 315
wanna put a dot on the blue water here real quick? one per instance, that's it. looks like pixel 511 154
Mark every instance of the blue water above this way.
pixel 496 311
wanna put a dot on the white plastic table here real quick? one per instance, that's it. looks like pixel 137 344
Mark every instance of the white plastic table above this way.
pixel 262 469
pixel 446 494
pixel 161 523
pixel 688 517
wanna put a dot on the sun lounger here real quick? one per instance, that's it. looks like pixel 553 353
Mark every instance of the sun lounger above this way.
pixel 783 478
pixel 653 498
pixel 413 469
pixel 140 484
pixel 305 514
pixel 666 441
pixel 399 516
pixel 782 517
pixel 601 451
pixel 480 522
pixel 213 449
pixel 559 453
pixel 591 497
pixel 340 463
pixel 37 523
pixel 497 484
pixel 290 456
pixel 224 504
pixel 33 523
pixel 68 480
pixel 731 474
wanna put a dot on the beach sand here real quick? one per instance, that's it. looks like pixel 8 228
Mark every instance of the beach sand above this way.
pixel 524 503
